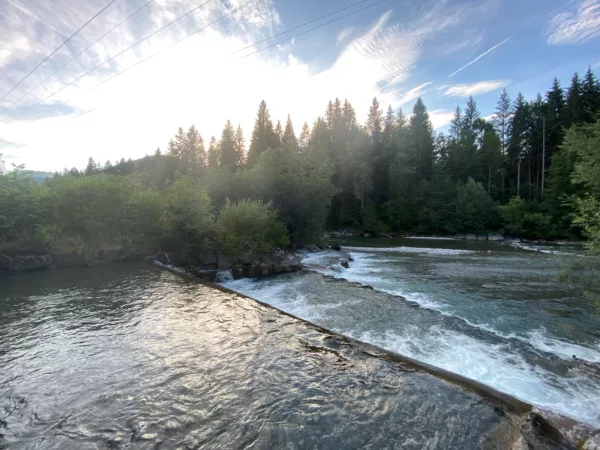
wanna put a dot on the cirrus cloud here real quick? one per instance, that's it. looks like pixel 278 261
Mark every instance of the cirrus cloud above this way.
pixel 480 87
pixel 577 26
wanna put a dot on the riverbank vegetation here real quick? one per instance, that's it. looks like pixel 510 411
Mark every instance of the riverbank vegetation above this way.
pixel 530 171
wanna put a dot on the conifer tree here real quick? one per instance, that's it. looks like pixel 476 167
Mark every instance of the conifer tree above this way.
pixel 304 136
pixel 240 145
pixel 228 154
pixel 421 140
pixel 91 167
pixel 501 119
pixel 279 132
pixel 574 105
pixel 213 153
pixel 289 137
pixel 263 135
pixel 590 96
pixel 349 118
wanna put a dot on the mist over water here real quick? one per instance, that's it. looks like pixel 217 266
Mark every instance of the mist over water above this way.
pixel 489 312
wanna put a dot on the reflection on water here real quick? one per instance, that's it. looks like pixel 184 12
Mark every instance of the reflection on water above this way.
pixel 127 356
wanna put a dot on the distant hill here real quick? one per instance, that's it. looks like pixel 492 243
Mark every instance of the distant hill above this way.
pixel 39 176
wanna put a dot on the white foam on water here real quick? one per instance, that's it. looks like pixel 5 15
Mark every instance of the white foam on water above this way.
pixel 575 394
pixel 431 238
pixel 495 365
pixel 365 270
pixel 419 250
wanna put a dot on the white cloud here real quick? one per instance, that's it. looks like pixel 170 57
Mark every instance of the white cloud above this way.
pixel 345 33
pixel 480 87
pixel 580 25
pixel 199 82
pixel 409 96
pixel 479 57
pixel 440 117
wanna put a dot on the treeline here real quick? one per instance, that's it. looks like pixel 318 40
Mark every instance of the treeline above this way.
pixel 528 172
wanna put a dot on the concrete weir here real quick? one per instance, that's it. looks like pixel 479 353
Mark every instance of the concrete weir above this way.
pixel 428 407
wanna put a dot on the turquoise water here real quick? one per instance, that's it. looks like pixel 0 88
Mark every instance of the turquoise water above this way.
pixel 490 312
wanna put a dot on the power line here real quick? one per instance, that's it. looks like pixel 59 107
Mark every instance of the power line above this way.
pixel 217 20
pixel 148 57
pixel 110 59
pixel 314 28
pixel 57 49
pixel 299 26
pixel 81 52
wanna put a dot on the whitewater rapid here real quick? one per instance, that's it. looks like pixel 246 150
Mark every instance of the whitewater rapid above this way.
pixel 517 356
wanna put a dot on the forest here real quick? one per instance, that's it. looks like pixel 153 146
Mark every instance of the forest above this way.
pixel 531 172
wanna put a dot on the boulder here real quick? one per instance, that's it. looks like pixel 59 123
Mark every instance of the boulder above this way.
pixel 7 265
pixel 237 272
pixel 336 246
pixel 111 254
pixel 345 264
pixel 206 275
pixel 33 262
pixel 592 443
pixel 223 263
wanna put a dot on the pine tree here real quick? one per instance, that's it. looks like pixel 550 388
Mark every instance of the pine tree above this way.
pixel 304 136
pixel 213 153
pixel 157 151
pixel 228 154
pixel 263 135
pixel 289 138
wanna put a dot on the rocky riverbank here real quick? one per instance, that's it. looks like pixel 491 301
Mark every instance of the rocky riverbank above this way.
pixel 209 267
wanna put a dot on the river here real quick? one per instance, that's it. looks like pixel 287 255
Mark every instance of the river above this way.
pixel 489 312
pixel 131 356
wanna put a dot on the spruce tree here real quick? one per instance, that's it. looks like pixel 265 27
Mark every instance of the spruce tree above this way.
pixel 263 134
pixel 240 145
pixel 421 141
pixel 279 132
pixel 213 153
pixel 501 119
pixel 374 122
pixel 91 167
pixel 518 142
pixel 228 154
pixel 574 106
pixel 590 96
pixel 289 138
pixel 304 136
pixel 349 118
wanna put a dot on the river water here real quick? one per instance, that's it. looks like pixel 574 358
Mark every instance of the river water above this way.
pixel 131 356
pixel 489 312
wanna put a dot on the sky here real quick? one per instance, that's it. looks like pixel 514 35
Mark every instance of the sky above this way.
pixel 60 103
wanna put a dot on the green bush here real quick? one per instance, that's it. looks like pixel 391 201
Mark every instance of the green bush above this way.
pixel 249 226
pixel 23 212
pixel 187 217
